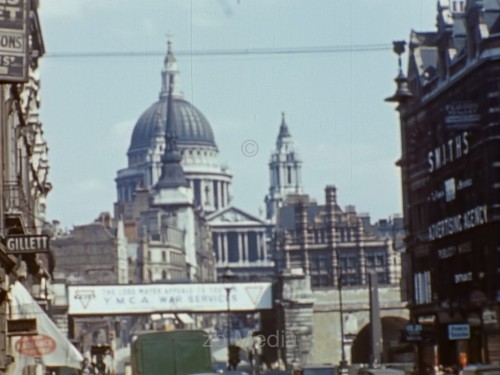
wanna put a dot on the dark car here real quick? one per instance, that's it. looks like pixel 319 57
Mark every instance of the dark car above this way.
pixel 275 372
pixel 318 370
pixel 481 370
pixel 219 366
pixel 380 371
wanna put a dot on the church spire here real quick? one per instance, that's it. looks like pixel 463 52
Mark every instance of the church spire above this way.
pixel 172 174
pixel 285 171
pixel 170 68
pixel 284 139
pixel 284 132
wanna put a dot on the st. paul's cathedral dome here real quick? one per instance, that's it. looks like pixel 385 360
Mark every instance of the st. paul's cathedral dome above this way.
pixel 195 141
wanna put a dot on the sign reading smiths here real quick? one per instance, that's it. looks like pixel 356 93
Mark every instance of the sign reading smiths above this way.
pixel 14 57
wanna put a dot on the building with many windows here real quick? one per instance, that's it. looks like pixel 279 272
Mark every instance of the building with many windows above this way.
pixel 449 106
pixel 324 257
pixel 328 242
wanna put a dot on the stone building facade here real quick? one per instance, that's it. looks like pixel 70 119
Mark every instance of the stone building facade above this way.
pixel 240 243
pixel 26 261
pixel 94 253
pixel 323 254
pixel 310 323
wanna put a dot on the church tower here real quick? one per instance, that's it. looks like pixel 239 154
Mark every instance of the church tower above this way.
pixel 285 172
pixel 172 178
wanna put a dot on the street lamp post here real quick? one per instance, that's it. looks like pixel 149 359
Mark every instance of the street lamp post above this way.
pixel 228 299
pixel 343 361
pixel 227 277
pixel 280 331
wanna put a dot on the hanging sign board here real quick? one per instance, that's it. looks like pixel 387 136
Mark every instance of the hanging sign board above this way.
pixel 27 244
pixel 413 332
pixel 22 327
pixel 458 331
pixel 14 32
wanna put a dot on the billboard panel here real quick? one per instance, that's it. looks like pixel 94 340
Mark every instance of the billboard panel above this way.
pixel 14 47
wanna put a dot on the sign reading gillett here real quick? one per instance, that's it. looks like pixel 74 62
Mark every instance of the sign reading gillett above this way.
pixel 35 346
pixel 27 244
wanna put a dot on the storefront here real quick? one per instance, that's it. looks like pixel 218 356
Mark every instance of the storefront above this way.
pixel 40 346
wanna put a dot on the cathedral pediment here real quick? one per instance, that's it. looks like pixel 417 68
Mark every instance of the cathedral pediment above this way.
pixel 233 215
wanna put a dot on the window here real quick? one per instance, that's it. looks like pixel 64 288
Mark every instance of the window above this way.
pixel 320 269
pixel 382 278
pixel 207 195
pixel 422 287
pixel 350 269
pixel 376 259
pixel 350 279
pixel 348 262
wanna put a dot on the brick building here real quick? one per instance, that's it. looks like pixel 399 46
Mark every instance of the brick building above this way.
pixel 323 239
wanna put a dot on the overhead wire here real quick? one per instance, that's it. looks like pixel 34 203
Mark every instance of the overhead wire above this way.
pixel 228 52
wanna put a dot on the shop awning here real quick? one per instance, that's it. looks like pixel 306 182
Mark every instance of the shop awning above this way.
pixel 185 318
pixel 49 346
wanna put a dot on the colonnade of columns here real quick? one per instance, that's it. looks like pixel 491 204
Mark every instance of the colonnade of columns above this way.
pixel 213 193
pixel 243 250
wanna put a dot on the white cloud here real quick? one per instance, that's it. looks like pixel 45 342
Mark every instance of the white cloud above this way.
pixel 62 8
pixel 123 128
pixel 148 27
pixel 121 133
pixel 90 186
pixel 202 20
pixel 207 13
pixel 72 8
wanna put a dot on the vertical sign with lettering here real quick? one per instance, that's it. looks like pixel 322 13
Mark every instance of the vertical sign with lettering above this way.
pixel 14 30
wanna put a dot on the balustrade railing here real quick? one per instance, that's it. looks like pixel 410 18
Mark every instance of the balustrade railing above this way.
pixel 14 199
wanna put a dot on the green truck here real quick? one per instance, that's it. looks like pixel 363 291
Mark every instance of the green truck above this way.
pixel 180 352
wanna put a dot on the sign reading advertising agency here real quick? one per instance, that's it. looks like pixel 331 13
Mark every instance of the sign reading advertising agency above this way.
pixel 27 244
pixel 149 298
pixel 14 31
pixel 455 224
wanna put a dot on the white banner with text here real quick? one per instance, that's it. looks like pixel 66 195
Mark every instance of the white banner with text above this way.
pixel 150 298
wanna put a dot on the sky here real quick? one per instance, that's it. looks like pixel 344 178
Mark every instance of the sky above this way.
pixel 102 70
